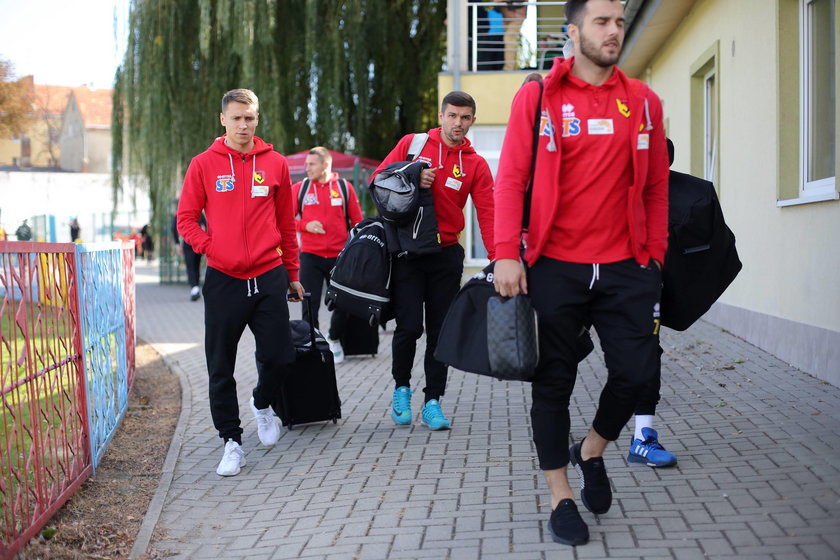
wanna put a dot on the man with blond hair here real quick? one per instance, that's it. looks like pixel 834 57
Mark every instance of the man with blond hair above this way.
pixel 244 188
pixel 327 208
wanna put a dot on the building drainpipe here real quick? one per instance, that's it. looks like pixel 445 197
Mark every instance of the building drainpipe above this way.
pixel 456 52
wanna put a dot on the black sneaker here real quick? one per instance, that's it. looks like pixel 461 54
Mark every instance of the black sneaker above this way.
pixel 595 491
pixel 566 525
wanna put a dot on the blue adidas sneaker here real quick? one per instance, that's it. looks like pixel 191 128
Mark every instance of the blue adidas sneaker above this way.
pixel 433 416
pixel 650 451
pixel 401 407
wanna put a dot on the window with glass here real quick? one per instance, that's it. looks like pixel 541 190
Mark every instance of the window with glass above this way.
pixel 818 98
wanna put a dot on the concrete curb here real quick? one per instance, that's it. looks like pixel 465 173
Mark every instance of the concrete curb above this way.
pixel 150 520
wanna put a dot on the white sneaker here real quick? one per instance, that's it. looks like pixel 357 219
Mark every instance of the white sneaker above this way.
pixel 267 428
pixel 337 350
pixel 195 293
pixel 233 458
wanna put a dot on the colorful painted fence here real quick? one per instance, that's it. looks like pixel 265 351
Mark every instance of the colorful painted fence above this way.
pixel 67 340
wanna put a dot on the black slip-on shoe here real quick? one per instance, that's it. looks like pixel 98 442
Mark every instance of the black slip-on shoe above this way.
pixel 595 491
pixel 566 526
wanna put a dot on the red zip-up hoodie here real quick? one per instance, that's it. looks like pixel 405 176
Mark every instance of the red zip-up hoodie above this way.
pixel 459 172
pixel 247 199
pixel 647 197
pixel 324 203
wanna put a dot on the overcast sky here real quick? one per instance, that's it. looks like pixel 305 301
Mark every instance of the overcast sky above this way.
pixel 62 42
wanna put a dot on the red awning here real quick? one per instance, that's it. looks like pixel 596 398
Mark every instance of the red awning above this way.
pixel 340 162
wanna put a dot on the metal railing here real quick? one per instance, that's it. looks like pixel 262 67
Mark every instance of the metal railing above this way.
pixel 502 38
pixel 66 365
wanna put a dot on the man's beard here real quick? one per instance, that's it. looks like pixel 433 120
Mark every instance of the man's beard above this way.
pixel 593 53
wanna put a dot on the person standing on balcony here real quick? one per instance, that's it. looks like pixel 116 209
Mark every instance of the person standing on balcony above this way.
pixel 513 14
pixel 244 188
pixel 595 245
pixel 326 209
pixel 490 29
pixel 427 284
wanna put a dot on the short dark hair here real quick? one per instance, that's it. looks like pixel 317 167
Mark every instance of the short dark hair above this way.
pixel 241 95
pixel 458 99
pixel 575 10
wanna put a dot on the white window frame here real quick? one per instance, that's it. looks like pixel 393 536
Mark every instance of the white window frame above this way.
pixel 472 233
pixel 821 189
pixel 709 129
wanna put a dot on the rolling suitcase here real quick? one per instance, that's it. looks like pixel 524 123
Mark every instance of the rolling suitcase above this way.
pixel 308 391
pixel 359 338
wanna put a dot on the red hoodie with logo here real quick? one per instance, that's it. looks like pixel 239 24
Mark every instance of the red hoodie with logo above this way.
pixel 646 200
pixel 459 172
pixel 323 202
pixel 247 199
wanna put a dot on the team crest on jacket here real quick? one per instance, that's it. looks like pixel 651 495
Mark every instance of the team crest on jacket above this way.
pixel 259 177
pixel 456 171
pixel 623 108
pixel 224 183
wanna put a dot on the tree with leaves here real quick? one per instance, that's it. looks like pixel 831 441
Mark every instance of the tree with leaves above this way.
pixel 353 75
pixel 15 107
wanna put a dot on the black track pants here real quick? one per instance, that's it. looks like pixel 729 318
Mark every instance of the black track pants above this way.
pixel 228 309
pixel 622 301
pixel 429 282
pixel 314 271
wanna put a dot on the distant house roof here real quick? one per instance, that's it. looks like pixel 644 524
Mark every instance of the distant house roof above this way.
pixel 50 99
pixel 340 162
pixel 94 105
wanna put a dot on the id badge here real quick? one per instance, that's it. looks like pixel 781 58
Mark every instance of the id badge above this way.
pixel 259 190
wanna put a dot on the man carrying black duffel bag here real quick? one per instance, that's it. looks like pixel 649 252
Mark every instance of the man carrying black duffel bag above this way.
pixel 428 282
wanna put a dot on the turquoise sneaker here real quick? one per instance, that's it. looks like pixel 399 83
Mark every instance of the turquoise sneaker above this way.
pixel 401 409
pixel 433 416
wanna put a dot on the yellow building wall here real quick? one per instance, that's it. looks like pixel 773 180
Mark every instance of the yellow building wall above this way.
pixel 38 134
pixel 791 262
pixel 493 93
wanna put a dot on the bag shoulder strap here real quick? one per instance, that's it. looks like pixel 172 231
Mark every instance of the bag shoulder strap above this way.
pixel 301 195
pixel 526 212
pixel 418 141
pixel 342 185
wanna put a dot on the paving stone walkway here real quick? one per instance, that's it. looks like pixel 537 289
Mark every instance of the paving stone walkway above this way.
pixel 758 475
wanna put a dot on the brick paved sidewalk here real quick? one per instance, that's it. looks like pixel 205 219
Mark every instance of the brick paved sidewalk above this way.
pixel 758 475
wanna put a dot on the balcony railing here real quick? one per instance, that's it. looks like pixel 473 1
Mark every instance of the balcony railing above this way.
pixel 505 36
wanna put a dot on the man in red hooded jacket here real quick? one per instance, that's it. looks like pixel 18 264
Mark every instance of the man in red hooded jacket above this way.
pixel 323 219
pixel 595 244
pixel 244 188
pixel 430 282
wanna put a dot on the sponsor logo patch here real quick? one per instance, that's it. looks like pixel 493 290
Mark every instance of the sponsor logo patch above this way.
pixel 224 183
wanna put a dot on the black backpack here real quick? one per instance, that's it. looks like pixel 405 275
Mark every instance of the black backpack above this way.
pixel 360 282
pixel 701 260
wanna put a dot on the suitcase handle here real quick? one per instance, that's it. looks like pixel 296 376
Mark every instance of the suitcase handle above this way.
pixel 307 297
